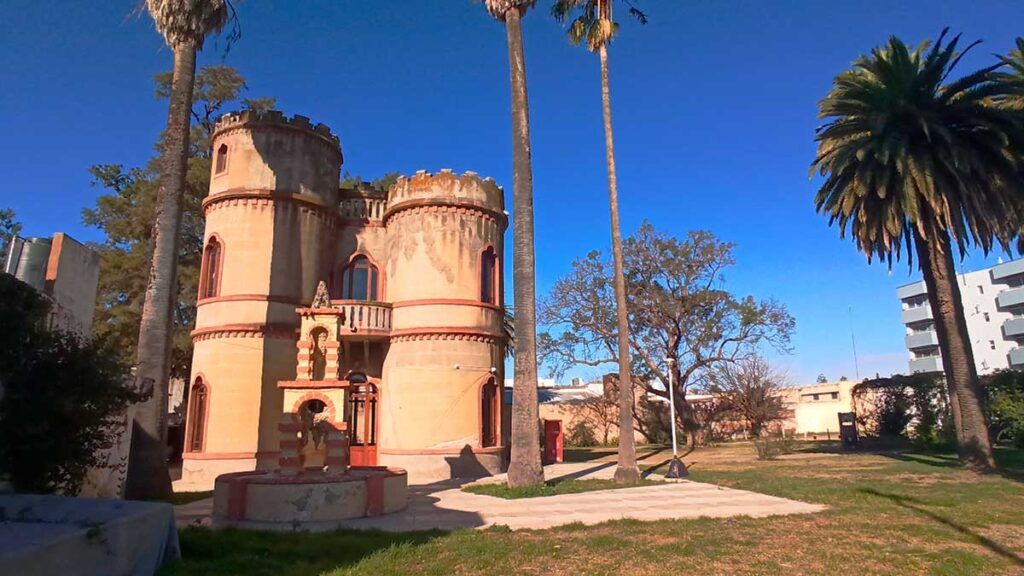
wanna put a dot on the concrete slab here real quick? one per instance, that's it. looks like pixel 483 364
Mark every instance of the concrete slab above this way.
pixel 444 506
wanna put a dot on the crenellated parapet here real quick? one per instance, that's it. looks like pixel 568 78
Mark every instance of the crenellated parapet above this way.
pixel 448 192
pixel 275 119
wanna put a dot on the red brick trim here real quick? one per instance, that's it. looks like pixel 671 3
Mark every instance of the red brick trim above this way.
pixel 252 330
pixel 446 302
pixel 218 455
pixel 331 411
pixel 266 197
pixel 445 206
pixel 445 333
pixel 250 298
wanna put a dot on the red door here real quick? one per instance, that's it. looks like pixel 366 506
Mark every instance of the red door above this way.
pixel 552 441
pixel 362 425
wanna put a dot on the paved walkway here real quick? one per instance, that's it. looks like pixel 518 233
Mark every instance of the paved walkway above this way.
pixel 445 506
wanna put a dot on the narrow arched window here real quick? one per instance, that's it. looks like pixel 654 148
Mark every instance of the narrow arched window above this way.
pixel 210 280
pixel 198 399
pixel 221 161
pixel 489 276
pixel 490 413
pixel 359 280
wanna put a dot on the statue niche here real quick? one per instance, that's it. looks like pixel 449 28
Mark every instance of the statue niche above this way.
pixel 318 353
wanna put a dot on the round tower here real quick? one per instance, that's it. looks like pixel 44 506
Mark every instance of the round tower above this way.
pixel 441 401
pixel 271 226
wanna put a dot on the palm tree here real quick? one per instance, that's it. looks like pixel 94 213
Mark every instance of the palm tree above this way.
pixel 184 24
pixel 593 23
pixel 525 466
pixel 913 162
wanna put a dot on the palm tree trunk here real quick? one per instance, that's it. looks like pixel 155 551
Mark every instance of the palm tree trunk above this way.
pixel 627 470
pixel 525 466
pixel 148 476
pixel 934 252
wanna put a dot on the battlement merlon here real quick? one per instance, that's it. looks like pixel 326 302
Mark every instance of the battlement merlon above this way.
pixel 276 119
pixel 446 187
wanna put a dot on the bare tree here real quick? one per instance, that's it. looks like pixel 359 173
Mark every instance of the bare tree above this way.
pixel 678 309
pixel 750 391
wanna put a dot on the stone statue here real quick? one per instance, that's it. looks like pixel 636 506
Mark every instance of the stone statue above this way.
pixel 322 299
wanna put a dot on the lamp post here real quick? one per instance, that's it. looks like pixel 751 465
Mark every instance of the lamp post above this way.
pixel 676 468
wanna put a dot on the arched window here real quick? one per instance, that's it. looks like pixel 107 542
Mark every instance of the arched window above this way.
pixel 222 159
pixel 490 412
pixel 489 276
pixel 359 280
pixel 210 281
pixel 198 398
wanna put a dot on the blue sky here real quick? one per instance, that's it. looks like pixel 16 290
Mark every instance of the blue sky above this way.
pixel 714 111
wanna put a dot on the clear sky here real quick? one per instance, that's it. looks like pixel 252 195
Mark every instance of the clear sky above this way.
pixel 714 112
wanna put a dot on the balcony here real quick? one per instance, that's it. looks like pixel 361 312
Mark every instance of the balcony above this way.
pixel 918 314
pixel 911 290
pixel 1008 269
pixel 928 364
pixel 926 339
pixel 1011 297
pixel 1016 358
pixel 1013 327
pixel 364 319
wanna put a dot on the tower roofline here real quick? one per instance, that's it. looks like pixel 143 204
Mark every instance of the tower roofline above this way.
pixel 276 119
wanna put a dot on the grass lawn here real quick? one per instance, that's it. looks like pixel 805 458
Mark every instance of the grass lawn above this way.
pixel 895 513
pixel 551 488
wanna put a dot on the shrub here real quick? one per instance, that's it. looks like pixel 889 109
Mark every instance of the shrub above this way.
pixel 771 447
pixel 61 396
pixel 1005 405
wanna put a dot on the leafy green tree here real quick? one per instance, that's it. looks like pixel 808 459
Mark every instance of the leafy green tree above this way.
pixel 525 467
pixel 678 309
pixel 593 24
pixel 9 228
pixel 1005 405
pixel 911 161
pixel 61 396
pixel 125 213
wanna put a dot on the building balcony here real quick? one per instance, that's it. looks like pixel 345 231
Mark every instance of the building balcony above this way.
pixel 927 339
pixel 1013 327
pixel 928 364
pixel 1016 357
pixel 918 314
pixel 364 319
pixel 1011 297
pixel 1007 269
pixel 911 290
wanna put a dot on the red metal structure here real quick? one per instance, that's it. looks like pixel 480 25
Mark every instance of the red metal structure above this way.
pixel 552 441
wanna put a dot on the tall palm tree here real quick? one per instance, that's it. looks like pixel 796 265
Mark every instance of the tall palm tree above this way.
pixel 911 161
pixel 525 466
pixel 184 24
pixel 592 22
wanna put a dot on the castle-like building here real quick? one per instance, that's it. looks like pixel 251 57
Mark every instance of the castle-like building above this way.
pixel 413 273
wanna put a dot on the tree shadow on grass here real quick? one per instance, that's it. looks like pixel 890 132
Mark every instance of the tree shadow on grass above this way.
pixel 915 505
pixel 1009 460
pixel 258 553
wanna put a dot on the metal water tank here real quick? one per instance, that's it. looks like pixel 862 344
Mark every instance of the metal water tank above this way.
pixel 31 268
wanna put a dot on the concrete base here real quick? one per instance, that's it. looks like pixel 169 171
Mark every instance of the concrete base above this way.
pixel 257 499
pixel 428 468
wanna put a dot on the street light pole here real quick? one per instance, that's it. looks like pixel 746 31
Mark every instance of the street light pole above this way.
pixel 672 407
pixel 676 468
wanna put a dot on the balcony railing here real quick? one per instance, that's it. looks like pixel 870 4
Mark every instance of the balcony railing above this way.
pixel 364 318
pixel 367 209
pixel 1017 357
pixel 911 290
pixel 1011 297
pixel 1013 327
pixel 927 364
pixel 918 314
pixel 925 339
pixel 1007 269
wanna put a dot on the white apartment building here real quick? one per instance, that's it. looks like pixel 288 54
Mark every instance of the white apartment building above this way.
pixel 993 301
